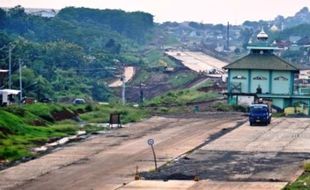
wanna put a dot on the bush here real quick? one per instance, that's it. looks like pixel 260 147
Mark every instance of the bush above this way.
pixel 89 108
pixel 222 107
pixel 16 110
pixel 240 108
pixel 13 153
pixel 180 98
pixel 65 128
pixel 307 166
pixel 226 107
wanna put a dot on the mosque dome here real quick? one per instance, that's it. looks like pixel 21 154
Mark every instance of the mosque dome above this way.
pixel 274 28
pixel 262 35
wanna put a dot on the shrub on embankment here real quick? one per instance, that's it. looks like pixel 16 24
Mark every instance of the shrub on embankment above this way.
pixel 24 127
pixel 101 113
pixel 181 97
pixel 27 126
pixel 302 182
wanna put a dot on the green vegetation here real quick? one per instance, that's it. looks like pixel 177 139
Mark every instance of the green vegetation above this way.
pixel 17 135
pixel 181 97
pixel 22 128
pixel 226 107
pixel 73 54
pixel 182 78
pixel 299 30
pixel 141 76
pixel 101 113
pixel 205 84
pixel 156 58
pixel 303 182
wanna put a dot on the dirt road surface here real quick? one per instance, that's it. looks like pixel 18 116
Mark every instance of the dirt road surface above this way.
pixel 197 61
pixel 108 161
pixel 129 72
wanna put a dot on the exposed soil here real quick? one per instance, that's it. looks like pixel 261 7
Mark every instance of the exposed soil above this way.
pixel 129 73
pixel 155 85
pixel 62 115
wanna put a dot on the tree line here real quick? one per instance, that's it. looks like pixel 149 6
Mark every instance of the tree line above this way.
pixel 66 56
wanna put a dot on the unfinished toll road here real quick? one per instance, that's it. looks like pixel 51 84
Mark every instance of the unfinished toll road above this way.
pixel 108 161
pixel 253 157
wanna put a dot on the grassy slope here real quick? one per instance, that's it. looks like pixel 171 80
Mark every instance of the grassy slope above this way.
pixel 303 182
pixel 22 128
pixel 181 97
pixel 17 135
pixel 101 114
pixel 182 78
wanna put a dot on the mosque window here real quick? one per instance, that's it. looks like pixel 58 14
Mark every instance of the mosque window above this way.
pixel 259 78
pixel 240 77
pixel 281 78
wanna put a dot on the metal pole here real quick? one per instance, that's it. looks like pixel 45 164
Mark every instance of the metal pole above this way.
pixel 141 93
pixel 227 37
pixel 20 80
pixel 10 67
pixel 123 90
pixel 154 157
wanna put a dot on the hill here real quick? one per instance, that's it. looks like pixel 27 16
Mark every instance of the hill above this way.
pixel 74 53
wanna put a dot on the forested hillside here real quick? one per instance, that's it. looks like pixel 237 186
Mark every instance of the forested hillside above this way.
pixel 74 53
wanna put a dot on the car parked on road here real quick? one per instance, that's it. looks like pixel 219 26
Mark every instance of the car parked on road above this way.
pixel 79 101
pixel 259 113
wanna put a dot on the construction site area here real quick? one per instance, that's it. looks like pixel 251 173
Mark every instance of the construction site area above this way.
pixel 200 149
pixel 218 150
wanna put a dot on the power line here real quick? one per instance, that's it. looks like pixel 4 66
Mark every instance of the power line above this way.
pixel 100 68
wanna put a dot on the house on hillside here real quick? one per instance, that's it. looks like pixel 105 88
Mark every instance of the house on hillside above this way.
pixel 263 75
pixel 8 96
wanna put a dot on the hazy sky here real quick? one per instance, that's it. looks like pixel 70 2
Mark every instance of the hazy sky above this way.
pixel 206 11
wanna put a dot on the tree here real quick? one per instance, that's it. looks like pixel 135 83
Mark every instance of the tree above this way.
pixel 113 47
pixel 2 18
pixel 17 11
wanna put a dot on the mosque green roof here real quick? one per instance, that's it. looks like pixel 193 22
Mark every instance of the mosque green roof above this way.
pixel 262 62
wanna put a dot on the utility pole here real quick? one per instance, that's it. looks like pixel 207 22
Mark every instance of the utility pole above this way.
pixel 11 47
pixel 141 94
pixel 20 80
pixel 123 89
pixel 227 36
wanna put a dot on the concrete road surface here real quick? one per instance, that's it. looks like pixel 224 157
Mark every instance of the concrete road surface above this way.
pixel 201 185
pixel 256 154
pixel 108 161
pixel 197 61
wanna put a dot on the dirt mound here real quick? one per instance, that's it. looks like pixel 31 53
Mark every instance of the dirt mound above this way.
pixel 63 114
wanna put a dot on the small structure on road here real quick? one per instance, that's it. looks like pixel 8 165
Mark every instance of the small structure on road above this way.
pixel 115 119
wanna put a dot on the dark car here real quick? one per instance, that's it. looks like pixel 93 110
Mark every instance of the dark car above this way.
pixel 259 113
pixel 45 100
pixel 79 101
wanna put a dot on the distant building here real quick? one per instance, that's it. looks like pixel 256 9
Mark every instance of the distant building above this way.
pixel 42 12
pixel 263 75
pixel 294 39
pixel 304 74
pixel 274 28
pixel 8 96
